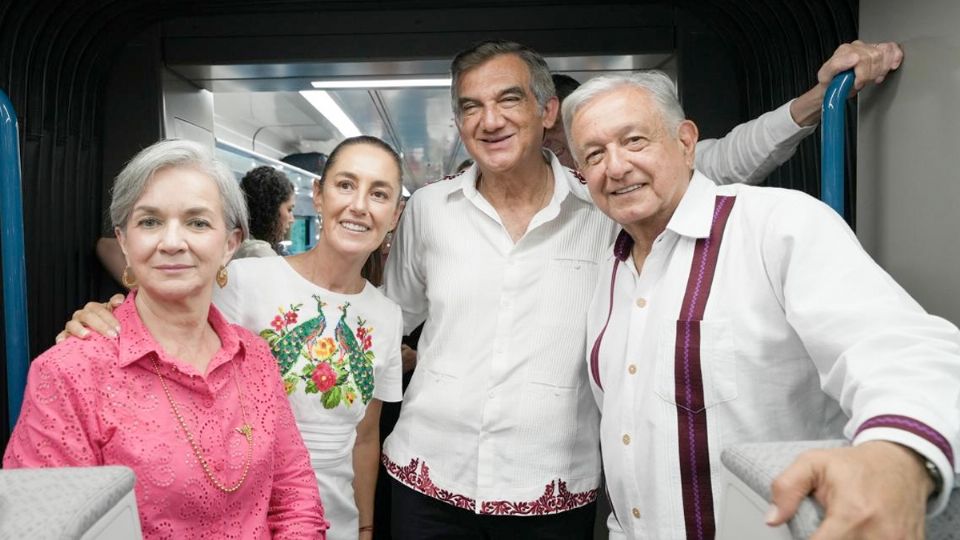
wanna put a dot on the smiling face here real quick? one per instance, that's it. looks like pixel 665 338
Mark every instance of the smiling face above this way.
pixel 176 237
pixel 500 122
pixel 637 170
pixel 358 200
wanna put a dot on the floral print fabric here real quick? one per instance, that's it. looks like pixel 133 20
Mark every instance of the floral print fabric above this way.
pixel 335 362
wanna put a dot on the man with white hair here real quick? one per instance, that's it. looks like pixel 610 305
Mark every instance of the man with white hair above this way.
pixel 734 314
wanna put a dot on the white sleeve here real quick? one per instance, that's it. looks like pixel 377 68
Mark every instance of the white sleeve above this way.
pixel 893 368
pixel 753 149
pixel 229 299
pixel 403 278
pixel 388 380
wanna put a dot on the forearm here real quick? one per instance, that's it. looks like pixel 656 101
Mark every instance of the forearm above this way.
pixel 366 463
pixel 752 150
pixel 806 108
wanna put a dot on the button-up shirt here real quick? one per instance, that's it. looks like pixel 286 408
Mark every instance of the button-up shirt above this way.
pixel 498 418
pixel 803 337
pixel 100 401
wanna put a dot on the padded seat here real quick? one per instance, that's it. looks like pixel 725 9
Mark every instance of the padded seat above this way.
pixel 83 502
pixel 749 469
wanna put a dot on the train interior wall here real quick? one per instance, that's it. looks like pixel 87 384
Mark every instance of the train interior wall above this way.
pixel 86 78
pixel 907 205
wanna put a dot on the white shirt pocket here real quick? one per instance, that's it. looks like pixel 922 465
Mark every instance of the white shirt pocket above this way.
pixel 682 345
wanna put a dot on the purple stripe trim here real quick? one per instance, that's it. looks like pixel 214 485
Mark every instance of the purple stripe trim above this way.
pixel 622 246
pixel 911 425
pixel 621 250
pixel 595 351
pixel 694 449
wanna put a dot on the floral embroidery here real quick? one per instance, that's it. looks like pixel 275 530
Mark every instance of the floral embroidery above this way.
pixel 324 348
pixel 338 367
pixel 324 377
pixel 556 498
pixel 421 482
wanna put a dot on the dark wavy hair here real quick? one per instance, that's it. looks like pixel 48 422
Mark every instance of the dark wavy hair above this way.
pixel 265 189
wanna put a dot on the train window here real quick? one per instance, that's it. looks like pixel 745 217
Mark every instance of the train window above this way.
pixel 281 109
pixel 260 114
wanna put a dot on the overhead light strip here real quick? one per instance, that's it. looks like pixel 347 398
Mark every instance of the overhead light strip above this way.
pixel 382 83
pixel 325 104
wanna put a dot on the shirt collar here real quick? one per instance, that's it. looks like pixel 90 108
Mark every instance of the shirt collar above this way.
pixel 466 181
pixel 693 216
pixel 136 342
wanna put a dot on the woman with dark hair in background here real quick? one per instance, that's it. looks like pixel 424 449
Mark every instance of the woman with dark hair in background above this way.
pixel 269 195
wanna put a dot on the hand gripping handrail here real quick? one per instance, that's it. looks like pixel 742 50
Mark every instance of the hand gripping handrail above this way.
pixel 832 141
pixel 12 253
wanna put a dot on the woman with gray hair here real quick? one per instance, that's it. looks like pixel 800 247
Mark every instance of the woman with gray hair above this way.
pixel 191 403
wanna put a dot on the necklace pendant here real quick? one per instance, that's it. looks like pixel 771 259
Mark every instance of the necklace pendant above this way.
pixel 247 431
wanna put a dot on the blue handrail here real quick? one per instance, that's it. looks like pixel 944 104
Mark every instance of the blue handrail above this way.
pixel 832 141
pixel 14 268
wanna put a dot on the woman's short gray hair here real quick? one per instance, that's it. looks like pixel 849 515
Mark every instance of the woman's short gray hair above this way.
pixel 541 81
pixel 132 180
pixel 660 86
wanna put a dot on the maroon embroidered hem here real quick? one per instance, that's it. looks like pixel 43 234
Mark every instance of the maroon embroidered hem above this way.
pixel 555 499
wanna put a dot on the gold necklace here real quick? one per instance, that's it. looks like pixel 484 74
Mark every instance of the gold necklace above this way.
pixel 246 430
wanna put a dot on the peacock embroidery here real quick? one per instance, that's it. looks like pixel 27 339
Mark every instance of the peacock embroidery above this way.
pixel 338 367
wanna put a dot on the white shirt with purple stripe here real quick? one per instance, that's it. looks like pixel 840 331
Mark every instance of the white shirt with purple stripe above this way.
pixel 794 305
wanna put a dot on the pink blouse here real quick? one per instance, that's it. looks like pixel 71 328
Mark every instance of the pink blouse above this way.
pixel 99 401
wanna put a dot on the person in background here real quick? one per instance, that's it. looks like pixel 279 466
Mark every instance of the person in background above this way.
pixel 193 404
pixel 554 138
pixel 269 194
pixel 335 337
pixel 736 314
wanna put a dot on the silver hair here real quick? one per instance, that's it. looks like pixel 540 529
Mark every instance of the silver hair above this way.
pixel 657 83
pixel 541 81
pixel 132 180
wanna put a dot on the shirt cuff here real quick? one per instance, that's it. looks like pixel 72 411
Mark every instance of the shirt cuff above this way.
pixel 920 438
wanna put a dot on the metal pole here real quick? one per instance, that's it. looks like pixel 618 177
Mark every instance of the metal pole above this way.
pixel 14 267
pixel 832 141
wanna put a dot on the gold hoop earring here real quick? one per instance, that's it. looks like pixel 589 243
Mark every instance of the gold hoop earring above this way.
pixel 222 277
pixel 127 279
